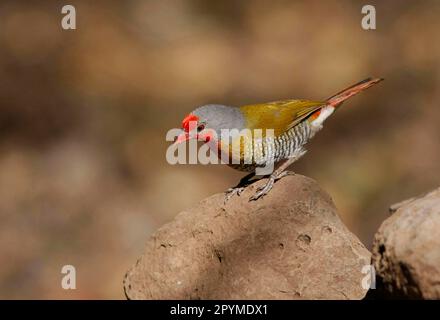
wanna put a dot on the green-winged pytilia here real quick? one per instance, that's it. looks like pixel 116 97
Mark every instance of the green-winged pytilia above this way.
pixel 294 123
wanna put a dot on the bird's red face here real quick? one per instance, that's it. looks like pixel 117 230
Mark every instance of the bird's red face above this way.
pixel 194 128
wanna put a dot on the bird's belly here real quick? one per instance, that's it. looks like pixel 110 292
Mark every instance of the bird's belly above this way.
pixel 260 153
pixel 287 144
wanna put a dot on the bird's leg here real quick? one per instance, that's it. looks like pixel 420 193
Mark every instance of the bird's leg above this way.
pixel 276 175
pixel 238 189
pixel 279 173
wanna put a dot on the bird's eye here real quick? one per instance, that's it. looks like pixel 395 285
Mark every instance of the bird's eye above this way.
pixel 200 127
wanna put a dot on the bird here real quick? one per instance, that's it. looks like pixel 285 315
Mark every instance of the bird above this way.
pixel 293 123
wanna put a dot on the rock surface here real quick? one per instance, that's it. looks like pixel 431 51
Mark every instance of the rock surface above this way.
pixel 290 244
pixel 406 250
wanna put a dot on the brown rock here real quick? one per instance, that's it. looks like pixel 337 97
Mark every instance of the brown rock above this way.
pixel 290 244
pixel 406 250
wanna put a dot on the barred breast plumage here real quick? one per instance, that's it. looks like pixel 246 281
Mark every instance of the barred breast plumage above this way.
pixel 260 152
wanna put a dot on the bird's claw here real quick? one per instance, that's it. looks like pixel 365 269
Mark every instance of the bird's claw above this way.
pixel 265 189
pixel 233 191
pixel 283 174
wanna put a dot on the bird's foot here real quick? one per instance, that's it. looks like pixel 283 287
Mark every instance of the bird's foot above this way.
pixel 265 189
pixel 237 190
pixel 284 174
pixel 233 191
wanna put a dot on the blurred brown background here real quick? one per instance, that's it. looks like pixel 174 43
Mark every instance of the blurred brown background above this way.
pixel 83 176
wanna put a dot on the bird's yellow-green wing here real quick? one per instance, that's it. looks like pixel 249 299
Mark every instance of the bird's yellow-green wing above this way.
pixel 279 115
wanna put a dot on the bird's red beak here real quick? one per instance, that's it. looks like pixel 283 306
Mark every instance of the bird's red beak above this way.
pixel 205 136
pixel 189 125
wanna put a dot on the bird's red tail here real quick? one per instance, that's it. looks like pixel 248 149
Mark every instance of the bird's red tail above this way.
pixel 337 99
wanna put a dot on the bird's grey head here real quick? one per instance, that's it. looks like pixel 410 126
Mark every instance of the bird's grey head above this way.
pixel 218 117
pixel 208 121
